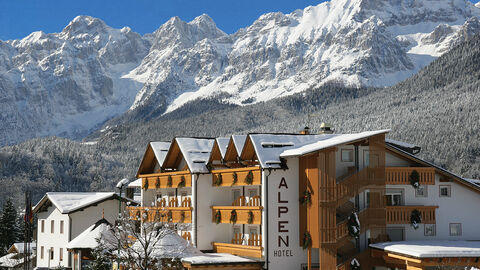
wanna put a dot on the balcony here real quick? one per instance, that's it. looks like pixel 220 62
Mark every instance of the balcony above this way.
pixel 400 175
pixel 173 214
pixel 401 214
pixel 167 180
pixel 251 247
pixel 237 177
pixel 246 212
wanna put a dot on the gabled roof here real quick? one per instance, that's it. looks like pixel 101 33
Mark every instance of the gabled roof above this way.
pixel 331 141
pixel 195 151
pixel 155 153
pixel 69 202
pixel 439 169
pixel 219 148
pixel 268 147
pixel 235 147
pixel 20 247
pixel 88 238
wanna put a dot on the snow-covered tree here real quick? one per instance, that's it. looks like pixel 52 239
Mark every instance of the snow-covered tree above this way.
pixel 9 229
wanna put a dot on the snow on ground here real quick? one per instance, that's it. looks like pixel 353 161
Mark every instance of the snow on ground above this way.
pixel 432 249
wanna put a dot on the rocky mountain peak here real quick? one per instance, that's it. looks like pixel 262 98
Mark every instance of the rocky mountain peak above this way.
pixel 84 24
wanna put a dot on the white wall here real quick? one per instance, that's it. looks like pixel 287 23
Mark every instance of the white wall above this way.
pixel 208 195
pixel 293 255
pixel 54 240
pixel 461 207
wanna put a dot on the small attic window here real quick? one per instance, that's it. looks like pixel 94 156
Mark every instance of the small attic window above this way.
pixel 199 152
pixel 276 145
pixel 198 161
pixel 164 150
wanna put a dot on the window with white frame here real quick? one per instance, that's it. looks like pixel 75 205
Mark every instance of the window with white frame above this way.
pixel 455 229
pixel 430 230
pixel 252 192
pixel 394 197
pixel 347 155
pixel 445 191
pixel 421 191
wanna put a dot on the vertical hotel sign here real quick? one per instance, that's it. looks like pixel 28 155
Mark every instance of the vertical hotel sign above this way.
pixel 284 252
pixel 283 229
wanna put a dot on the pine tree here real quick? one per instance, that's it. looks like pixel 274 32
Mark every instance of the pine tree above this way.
pixel 102 258
pixel 9 230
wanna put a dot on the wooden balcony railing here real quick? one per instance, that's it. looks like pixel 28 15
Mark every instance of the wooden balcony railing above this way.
pixel 247 212
pixel 167 180
pixel 161 214
pixel 242 245
pixel 237 177
pixel 400 175
pixel 402 214
pixel 173 202
pixel 352 185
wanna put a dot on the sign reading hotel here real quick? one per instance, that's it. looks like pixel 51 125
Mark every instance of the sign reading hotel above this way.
pixel 284 250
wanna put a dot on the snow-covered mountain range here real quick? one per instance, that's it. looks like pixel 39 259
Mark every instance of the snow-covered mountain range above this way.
pixel 70 82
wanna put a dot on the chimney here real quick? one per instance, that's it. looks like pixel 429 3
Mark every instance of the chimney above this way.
pixel 326 129
pixel 305 131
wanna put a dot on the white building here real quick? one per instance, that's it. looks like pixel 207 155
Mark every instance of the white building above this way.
pixel 62 216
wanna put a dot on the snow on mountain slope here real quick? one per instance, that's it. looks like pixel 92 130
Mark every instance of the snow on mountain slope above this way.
pixel 67 83
pixel 71 82
pixel 354 42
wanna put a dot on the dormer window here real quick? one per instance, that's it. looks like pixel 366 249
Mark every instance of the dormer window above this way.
pixel 276 145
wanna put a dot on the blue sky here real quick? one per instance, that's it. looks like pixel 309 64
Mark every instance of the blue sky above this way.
pixel 18 18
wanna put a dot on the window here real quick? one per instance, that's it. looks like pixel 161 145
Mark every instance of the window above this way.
pixel 253 230
pixel 42 249
pixel 51 253
pixel 394 197
pixel 43 225
pixel 430 230
pixel 158 199
pixel 445 191
pixel 52 226
pixel 252 193
pixel 396 234
pixel 347 155
pixel 236 230
pixel 61 226
pixel 236 194
pixel 455 229
pixel 61 254
pixel 421 191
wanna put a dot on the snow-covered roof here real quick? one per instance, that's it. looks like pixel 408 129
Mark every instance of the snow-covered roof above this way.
pixel 330 141
pixel 88 238
pixel 222 143
pixel 196 152
pixel 432 249
pixel 239 142
pixel 20 247
pixel 268 147
pixel 160 149
pixel 216 258
pixel 12 260
pixel 136 183
pixel 169 245
pixel 411 148
pixel 401 144
pixel 473 181
pixel 67 202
